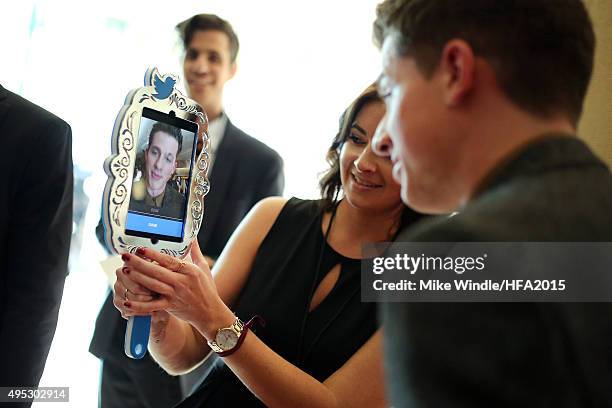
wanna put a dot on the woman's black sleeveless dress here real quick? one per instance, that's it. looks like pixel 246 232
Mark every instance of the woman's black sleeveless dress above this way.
pixel 290 264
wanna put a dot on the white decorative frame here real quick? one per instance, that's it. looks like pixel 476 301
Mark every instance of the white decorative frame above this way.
pixel 159 94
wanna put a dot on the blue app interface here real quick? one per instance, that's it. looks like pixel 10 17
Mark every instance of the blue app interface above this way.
pixel 154 225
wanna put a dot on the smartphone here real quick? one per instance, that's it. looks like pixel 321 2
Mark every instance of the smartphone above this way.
pixel 166 150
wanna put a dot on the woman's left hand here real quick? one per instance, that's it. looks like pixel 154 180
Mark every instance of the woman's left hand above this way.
pixel 187 290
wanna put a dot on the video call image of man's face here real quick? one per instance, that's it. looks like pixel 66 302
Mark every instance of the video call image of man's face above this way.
pixel 159 165
pixel 156 192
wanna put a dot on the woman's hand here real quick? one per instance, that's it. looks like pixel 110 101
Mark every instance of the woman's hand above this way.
pixel 186 290
pixel 126 290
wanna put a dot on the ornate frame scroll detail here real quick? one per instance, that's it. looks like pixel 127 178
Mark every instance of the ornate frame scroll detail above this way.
pixel 160 94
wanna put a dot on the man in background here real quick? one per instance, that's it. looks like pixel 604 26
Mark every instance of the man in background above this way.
pixel 243 172
pixel 35 230
pixel 483 100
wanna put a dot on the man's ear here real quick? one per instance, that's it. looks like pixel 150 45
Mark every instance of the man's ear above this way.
pixel 233 69
pixel 457 65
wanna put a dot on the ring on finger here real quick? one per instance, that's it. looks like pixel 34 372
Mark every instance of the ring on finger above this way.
pixel 180 267
pixel 126 294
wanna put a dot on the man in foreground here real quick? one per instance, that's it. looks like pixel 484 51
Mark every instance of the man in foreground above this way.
pixel 483 100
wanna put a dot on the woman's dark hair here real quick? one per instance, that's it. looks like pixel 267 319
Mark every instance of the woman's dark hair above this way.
pixel 330 183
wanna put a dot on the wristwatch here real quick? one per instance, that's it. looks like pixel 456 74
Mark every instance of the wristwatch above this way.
pixel 227 338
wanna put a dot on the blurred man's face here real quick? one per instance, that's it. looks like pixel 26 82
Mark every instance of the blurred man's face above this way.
pixel 420 135
pixel 207 67
pixel 160 162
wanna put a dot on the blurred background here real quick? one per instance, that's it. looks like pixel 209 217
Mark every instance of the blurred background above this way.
pixel 300 64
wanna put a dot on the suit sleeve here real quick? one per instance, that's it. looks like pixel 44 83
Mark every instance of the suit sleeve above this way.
pixel 272 183
pixel 100 233
pixel 37 250
pixel 100 236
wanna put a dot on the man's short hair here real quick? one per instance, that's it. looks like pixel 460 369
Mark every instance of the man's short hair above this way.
pixel 170 130
pixel 541 50
pixel 205 22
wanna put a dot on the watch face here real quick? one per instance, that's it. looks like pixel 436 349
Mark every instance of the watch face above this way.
pixel 226 339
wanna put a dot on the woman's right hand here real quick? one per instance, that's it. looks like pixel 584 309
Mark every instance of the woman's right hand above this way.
pixel 126 290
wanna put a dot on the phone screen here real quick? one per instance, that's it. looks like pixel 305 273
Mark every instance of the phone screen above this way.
pixel 166 148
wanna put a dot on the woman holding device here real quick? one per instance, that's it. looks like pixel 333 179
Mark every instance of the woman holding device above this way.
pixel 294 264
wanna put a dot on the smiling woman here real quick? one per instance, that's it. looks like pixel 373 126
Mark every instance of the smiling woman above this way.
pixel 355 172
pixel 363 173
pixel 320 345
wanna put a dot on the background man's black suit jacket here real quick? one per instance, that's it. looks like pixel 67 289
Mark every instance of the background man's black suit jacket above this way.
pixel 35 230
pixel 512 354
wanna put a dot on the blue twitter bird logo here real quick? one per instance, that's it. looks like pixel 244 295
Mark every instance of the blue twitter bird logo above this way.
pixel 163 87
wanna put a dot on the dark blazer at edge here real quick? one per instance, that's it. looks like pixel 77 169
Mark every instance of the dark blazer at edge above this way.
pixel 35 230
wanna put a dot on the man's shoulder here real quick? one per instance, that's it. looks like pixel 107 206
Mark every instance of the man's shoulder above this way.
pixel 173 196
pixel 548 209
pixel 443 228
pixel 27 113
pixel 251 146
pixel 174 203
